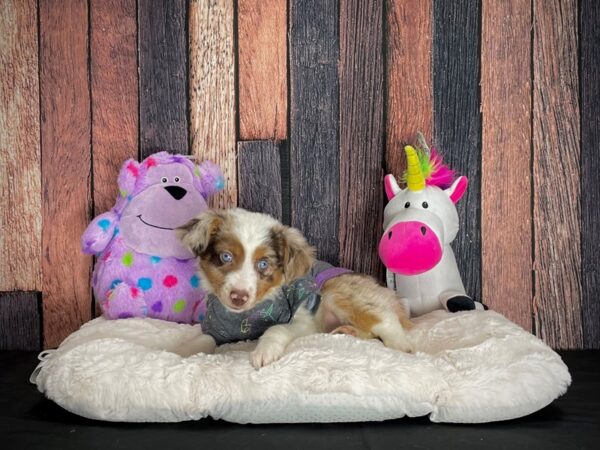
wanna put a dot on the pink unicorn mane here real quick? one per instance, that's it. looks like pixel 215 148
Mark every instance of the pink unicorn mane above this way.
pixel 440 174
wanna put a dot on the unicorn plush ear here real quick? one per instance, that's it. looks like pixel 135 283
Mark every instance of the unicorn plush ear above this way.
pixel 391 187
pixel 457 190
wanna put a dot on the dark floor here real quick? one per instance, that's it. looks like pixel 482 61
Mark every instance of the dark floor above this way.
pixel 29 421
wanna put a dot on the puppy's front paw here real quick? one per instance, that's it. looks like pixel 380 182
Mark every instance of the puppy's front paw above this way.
pixel 265 354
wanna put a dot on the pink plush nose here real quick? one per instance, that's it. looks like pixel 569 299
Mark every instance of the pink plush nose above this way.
pixel 410 248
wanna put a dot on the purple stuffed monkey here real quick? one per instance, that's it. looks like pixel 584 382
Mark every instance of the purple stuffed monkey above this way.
pixel 142 269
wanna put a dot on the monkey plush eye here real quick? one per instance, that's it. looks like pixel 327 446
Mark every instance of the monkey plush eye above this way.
pixel 262 265
pixel 226 257
pixel 164 179
pixel 176 179
pixel 425 205
pixel 407 204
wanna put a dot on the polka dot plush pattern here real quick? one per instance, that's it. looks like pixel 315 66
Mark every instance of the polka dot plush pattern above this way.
pixel 469 367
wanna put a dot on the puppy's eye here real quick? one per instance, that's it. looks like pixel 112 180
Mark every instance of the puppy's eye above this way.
pixel 425 205
pixel 164 179
pixel 176 179
pixel 407 204
pixel 262 265
pixel 226 257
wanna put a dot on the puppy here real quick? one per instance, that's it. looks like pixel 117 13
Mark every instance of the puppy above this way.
pixel 263 282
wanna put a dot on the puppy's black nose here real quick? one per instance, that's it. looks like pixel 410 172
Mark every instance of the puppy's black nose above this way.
pixel 239 297
pixel 176 192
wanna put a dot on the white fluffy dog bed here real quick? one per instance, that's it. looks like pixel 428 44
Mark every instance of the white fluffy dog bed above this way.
pixel 469 367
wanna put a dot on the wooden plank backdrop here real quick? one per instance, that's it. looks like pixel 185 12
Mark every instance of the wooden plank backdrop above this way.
pixel 66 165
pixel 306 104
pixel 556 174
pixel 590 171
pixel 457 120
pixel 212 90
pixel 506 158
pixel 361 126
pixel 114 78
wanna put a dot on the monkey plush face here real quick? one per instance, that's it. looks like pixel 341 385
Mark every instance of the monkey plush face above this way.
pixel 168 201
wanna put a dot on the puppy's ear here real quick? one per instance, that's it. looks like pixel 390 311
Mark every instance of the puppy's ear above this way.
pixel 197 233
pixel 295 254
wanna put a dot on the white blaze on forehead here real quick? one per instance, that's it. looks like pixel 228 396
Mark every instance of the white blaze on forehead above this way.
pixel 252 230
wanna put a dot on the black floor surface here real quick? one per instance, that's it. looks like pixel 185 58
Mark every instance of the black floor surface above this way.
pixel 29 421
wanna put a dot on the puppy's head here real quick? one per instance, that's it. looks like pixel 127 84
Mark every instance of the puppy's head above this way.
pixel 244 257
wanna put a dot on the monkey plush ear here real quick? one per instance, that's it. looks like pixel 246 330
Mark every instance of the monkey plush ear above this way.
pixel 198 232
pixel 128 176
pixel 210 178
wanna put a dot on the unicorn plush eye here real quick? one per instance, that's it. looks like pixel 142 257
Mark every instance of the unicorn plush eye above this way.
pixel 407 204
pixel 425 205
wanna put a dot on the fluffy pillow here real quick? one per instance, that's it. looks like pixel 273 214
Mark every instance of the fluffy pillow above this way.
pixel 469 367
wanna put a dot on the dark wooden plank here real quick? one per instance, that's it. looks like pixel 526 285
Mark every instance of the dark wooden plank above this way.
pixel 556 174
pixel 262 68
pixel 361 134
pixel 590 171
pixel 259 176
pixel 409 84
pixel 66 166
pixel 314 116
pixel 20 321
pixel 113 65
pixel 20 171
pixel 457 120
pixel 163 68
pixel 506 159
pixel 212 91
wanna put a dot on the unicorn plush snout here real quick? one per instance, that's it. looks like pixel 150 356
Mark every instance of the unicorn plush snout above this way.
pixel 410 248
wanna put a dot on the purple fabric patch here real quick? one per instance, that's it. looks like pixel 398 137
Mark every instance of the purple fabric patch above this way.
pixel 328 274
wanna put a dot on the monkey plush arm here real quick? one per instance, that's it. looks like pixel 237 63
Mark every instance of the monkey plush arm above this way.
pixel 99 233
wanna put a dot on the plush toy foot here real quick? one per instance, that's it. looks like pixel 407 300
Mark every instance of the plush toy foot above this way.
pixel 125 301
pixel 480 306
pixel 460 303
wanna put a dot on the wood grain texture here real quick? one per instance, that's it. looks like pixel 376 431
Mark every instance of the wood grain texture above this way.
pixel 66 171
pixel 262 68
pixel 212 90
pixel 408 73
pixel 556 174
pixel 314 123
pixel 457 121
pixel 114 76
pixel 20 176
pixel 259 176
pixel 361 134
pixel 163 69
pixel 20 321
pixel 590 172
pixel 506 159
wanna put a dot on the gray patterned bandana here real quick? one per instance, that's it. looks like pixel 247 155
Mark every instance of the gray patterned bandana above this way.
pixel 226 326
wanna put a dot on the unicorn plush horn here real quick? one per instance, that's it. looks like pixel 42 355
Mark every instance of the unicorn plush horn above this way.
pixel 415 180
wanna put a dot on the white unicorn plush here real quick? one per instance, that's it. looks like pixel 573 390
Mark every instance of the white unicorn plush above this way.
pixel 420 222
